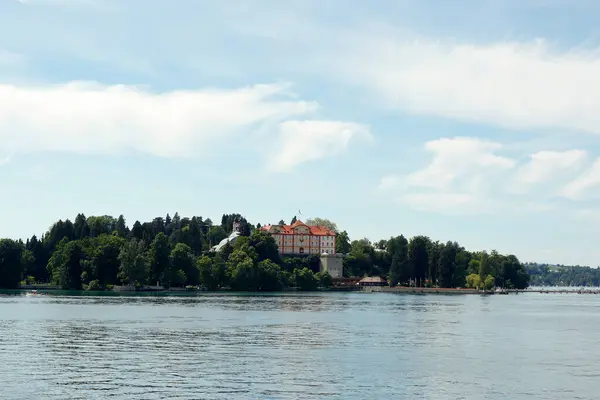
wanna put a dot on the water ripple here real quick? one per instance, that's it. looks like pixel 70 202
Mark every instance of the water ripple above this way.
pixel 299 346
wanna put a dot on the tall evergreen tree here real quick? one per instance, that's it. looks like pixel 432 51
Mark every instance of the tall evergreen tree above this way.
pixel 121 226
pixel 418 257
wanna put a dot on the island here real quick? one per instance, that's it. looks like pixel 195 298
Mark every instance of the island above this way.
pixel 103 253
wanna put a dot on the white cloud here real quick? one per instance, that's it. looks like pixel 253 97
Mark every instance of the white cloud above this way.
pixel 545 164
pixel 303 141
pixel 516 85
pixel 460 158
pixel 467 176
pixel 584 185
pixel 553 167
pixel 461 161
pixel 459 179
pixel 93 118
pixel 4 160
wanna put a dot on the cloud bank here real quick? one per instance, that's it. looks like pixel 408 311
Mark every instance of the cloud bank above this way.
pixel 303 141
pixel 509 84
pixel 471 176
pixel 91 118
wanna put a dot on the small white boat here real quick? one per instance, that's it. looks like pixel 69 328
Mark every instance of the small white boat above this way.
pixel 32 293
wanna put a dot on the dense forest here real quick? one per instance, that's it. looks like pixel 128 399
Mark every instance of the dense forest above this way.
pixel 562 275
pixel 98 252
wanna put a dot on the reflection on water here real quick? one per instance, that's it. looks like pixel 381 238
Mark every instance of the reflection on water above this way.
pixel 308 346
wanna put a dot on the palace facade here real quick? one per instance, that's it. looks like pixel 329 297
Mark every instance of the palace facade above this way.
pixel 300 238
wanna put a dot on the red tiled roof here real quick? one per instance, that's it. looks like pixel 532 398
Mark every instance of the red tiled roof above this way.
pixel 289 229
pixel 297 223
pixel 321 231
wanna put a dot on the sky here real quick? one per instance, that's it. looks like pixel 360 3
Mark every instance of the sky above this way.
pixel 474 121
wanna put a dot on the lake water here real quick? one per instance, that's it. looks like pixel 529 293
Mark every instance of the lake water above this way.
pixel 290 346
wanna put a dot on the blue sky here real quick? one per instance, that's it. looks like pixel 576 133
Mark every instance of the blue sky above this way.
pixel 474 121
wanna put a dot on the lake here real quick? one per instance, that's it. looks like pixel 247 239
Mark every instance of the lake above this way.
pixel 300 346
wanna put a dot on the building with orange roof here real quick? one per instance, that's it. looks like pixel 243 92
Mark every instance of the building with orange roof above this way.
pixel 300 238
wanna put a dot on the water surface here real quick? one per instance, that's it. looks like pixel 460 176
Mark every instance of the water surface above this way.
pixel 294 346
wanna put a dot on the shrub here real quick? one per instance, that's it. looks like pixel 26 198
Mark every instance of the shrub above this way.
pixel 93 286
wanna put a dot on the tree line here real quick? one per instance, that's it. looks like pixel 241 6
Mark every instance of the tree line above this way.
pixel 420 261
pixel 98 252
pixel 562 275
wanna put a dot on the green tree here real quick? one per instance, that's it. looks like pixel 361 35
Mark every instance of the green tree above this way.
pixel 357 263
pixel 121 227
pixel 238 256
pixel 59 231
pixel 265 246
pixel 179 278
pixel 220 271
pixel 463 258
pixel 473 266
pixel 325 279
pixel 215 234
pixel 56 260
pixel 342 243
pixel 322 222
pixel 192 236
pixel 176 221
pixel 28 264
pixel 399 269
pixel 168 225
pixel 484 268
pixel 182 259
pixel 137 232
pixel 206 270
pixel 419 257
pixel 473 281
pixel 305 279
pixel 243 273
pixel 104 224
pixel 67 265
pixel 434 251
pixel 515 276
pixel 11 263
pixel 157 226
pixel 381 244
pixel 133 262
pixel 447 264
pixel 245 228
pixel 80 227
pixel 270 278
pixel 94 286
pixel 489 282
pixel 41 256
pixel 159 266
pixel 104 252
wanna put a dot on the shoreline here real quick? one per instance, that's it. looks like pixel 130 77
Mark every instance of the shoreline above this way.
pixel 188 292
pixel 425 290
pixel 149 291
